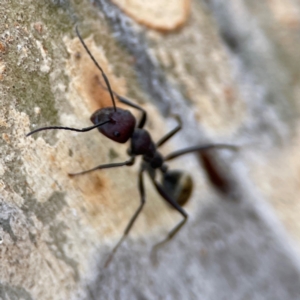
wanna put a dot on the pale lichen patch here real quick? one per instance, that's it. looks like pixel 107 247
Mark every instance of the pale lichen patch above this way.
pixel 45 65
pixel 2 70
pixel 6 138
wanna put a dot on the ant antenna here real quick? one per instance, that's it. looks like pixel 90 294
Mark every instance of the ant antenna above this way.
pixel 98 66
pixel 68 128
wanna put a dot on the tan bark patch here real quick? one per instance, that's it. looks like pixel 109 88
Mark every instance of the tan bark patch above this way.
pixel 162 15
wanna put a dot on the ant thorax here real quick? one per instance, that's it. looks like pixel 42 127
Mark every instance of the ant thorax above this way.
pixel 142 144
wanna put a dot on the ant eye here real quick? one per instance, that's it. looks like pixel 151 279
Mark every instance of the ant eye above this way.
pixel 117 133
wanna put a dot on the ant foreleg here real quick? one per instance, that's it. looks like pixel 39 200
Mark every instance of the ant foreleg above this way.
pixel 171 133
pixel 132 220
pixel 129 162
pixel 129 103
pixel 171 201
pixel 199 148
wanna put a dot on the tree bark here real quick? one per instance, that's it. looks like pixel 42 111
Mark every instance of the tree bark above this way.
pixel 230 72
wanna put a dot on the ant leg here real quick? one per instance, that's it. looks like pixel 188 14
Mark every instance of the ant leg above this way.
pixel 199 148
pixel 132 220
pixel 67 128
pixel 129 162
pixel 171 133
pixel 175 230
pixel 129 103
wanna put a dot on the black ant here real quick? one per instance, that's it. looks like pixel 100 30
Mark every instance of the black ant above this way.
pixel 119 125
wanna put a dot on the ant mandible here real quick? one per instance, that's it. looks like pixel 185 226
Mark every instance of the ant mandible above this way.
pixel 119 125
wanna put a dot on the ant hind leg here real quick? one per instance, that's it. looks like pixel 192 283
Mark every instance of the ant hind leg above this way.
pixel 132 220
pixel 176 229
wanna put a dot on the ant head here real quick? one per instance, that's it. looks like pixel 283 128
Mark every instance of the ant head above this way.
pixel 179 185
pixel 120 126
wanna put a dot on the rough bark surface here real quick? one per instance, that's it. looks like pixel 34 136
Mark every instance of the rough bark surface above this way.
pixel 232 74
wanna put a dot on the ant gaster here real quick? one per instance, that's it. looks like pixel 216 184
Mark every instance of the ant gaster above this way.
pixel 120 126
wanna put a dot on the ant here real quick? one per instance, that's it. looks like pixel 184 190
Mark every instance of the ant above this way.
pixel 120 126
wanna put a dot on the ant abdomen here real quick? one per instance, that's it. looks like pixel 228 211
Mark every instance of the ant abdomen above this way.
pixel 120 126
pixel 179 185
